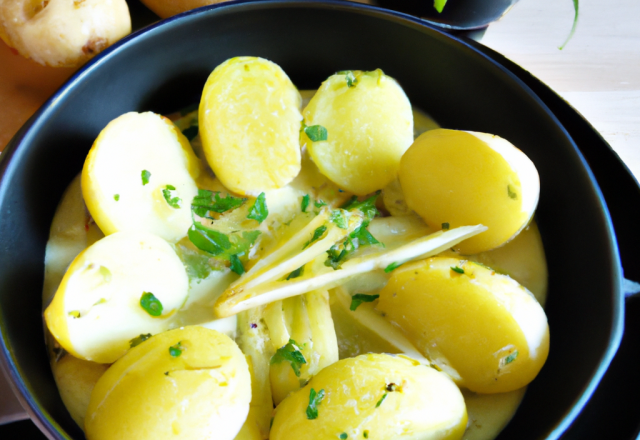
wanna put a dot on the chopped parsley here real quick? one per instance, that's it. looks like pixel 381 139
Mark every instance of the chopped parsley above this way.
pixel 365 433
pixel 319 203
pixel 384 396
pixel 338 253
pixel 291 353
pixel 363 236
pixel 350 77
pixel 151 304
pixel 305 203
pixel 172 201
pixel 146 175
pixel 74 313
pixel 338 218
pixel 445 226
pixel 259 210
pixel 457 269
pixel 176 350
pixel 236 264
pixel 314 401
pixel 511 192
pixel 320 230
pixel 139 340
pixel 218 244
pixel 360 298
pixel 210 201
pixel 116 197
pixel 439 5
pixel 367 207
pixel 316 133
pixel 392 266
pixel 343 436
pixel 508 359
pixel 296 273
pixel 191 132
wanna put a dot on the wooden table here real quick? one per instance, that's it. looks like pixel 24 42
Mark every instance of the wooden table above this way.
pixel 598 72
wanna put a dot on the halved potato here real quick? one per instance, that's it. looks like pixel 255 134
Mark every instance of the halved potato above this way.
pixel 190 383
pixel 368 123
pixel 484 329
pixel 453 178
pixel 249 122
pixel 124 285
pixel 140 176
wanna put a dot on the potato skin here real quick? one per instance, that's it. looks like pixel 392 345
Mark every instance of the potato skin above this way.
pixel 369 125
pixel 149 393
pixel 425 403
pixel 63 33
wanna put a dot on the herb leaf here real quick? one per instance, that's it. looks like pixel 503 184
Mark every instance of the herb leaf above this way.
pixel 259 210
pixel 75 314
pixel 508 359
pixel 175 350
pixel 296 273
pixel 392 266
pixel 291 353
pixel 305 203
pixel 167 192
pixel 439 5
pixel 316 133
pixel 338 218
pixel 576 8
pixel 146 175
pixel 208 240
pixel 316 235
pixel 367 207
pixel 445 226
pixel 384 396
pixel 344 436
pixel 314 401
pixel 359 298
pixel 139 340
pixel 151 304
pixel 457 269
pixel 236 264
pixel 364 236
pixel 116 197
pixel 207 201
pixel 338 253
pixel 511 192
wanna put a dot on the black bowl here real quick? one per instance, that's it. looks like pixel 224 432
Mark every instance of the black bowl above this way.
pixel 164 67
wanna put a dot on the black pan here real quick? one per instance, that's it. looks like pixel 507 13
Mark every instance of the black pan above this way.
pixel 164 67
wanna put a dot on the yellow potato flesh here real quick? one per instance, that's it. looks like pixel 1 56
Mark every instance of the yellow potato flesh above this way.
pixel 112 185
pixel 249 120
pixel 490 413
pixel 480 326
pixel 202 393
pixel 369 125
pixel 456 178
pixel 426 404
pixel 96 310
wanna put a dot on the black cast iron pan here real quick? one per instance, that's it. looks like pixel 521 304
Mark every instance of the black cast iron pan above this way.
pixel 164 67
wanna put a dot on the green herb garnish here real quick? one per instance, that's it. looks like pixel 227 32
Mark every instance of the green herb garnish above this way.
pixel 116 197
pixel 576 8
pixel 316 235
pixel 167 192
pixel 445 226
pixel 365 433
pixel 367 207
pixel 151 304
pixel 384 396
pixel 259 210
pixel 305 203
pixel 207 201
pixel 291 353
pixel 350 77
pixel 139 340
pixel 364 236
pixel 508 359
pixel 316 133
pixel 191 132
pixel 338 253
pixel 343 436
pixel 319 204
pixel 338 218
pixel 511 192
pixel 457 269
pixel 208 240
pixel 146 175
pixel 314 401
pixel 175 350
pixel 392 266
pixel 74 313
pixel 236 264
pixel 360 298
pixel 296 273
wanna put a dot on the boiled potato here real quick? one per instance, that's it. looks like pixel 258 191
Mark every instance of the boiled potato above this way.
pixel 484 329
pixel 249 121
pixel 125 285
pixel 191 383
pixel 369 125
pixel 76 379
pixel 140 176
pixel 63 33
pixel 454 178
pixel 490 413
pixel 375 396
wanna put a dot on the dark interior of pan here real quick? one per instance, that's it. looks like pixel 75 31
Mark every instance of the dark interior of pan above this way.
pixel 164 68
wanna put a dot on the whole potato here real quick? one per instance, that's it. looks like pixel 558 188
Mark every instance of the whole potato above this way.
pixel 358 125
pixel 374 396
pixel 168 8
pixel 190 383
pixel 63 33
